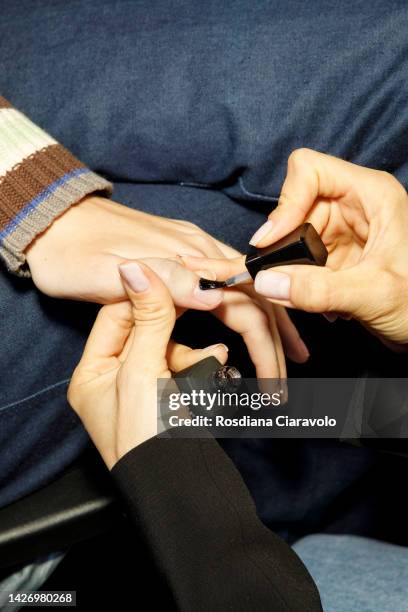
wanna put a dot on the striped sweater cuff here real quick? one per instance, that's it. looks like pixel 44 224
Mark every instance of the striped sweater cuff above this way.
pixel 39 180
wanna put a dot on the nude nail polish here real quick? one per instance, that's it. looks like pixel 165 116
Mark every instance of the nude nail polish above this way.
pixel 134 276
pixel 261 233
pixel 273 284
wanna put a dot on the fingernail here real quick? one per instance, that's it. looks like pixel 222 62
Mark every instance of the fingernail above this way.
pixel 261 232
pixel 210 298
pixel 284 391
pixel 208 274
pixel 134 276
pixel 217 346
pixel 331 318
pixel 273 284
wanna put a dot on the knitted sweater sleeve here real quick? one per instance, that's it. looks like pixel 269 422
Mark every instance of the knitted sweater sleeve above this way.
pixel 39 180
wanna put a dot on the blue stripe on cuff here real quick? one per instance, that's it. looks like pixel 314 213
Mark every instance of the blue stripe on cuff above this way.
pixel 31 206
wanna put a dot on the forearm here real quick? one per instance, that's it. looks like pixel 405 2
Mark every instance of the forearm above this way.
pixel 39 180
pixel 191 504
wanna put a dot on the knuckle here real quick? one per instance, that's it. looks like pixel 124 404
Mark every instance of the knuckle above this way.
pixel 204 244
pixel 385 175
pixel 259 318
pixel 153 312
pixel 313 294
pixel 188 224
pixel 200 237
pixel 192 228
pixel 285 202
pixel 300 156
pixel 389 181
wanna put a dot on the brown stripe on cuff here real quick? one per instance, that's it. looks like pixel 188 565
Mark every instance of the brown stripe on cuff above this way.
pixel 31 177
pixel 4 103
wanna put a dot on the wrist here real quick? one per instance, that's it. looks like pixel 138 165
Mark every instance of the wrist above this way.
pixel 48 243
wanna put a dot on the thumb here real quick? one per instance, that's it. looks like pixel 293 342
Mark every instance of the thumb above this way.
pixel 154 315
pixel 318 289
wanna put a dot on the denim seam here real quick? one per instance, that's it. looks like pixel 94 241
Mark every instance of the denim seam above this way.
pixel 251 194
pixel 258 196
pixel 36 394
pixel 195 184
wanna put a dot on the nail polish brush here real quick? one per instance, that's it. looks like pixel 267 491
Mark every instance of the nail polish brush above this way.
pixel 302 246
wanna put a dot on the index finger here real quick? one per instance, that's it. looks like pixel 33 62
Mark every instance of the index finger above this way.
pixel 310 175
pixel 222 268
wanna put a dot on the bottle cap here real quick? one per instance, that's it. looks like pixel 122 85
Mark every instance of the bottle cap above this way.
pixel 302 246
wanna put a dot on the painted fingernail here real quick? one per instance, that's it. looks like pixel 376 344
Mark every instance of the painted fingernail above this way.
pixel 210 298
pixel 273 284
pixel 134 276
pixel 331 318
pixel 217 346
pixel 261 232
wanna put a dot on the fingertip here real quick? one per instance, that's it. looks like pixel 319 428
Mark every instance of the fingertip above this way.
pixel 209 299
pixel 302 351
pixel 298 355
pixel 272 230
pixel 262 233
pixel 219 351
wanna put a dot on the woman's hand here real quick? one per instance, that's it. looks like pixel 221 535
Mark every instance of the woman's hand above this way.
pixel 279 320
pixel 78 255
pixel 114 387
pixel 362 217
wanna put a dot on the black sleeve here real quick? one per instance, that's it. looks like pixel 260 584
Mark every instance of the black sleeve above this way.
pixel 189 501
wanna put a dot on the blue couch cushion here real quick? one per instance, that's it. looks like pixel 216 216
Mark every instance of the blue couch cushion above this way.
pixel 213 93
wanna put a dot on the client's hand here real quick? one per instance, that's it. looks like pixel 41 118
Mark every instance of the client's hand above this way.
pixel 114 387
pixel 362 217
pixel 78 255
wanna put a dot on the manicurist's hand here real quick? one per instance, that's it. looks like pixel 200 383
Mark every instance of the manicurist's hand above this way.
pixel 362 217
pixel 78 255
pixel 114 387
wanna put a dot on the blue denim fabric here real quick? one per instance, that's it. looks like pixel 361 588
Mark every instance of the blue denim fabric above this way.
pixel 29 578
pixel 356 574
pixel 211 94
pixel 216 93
